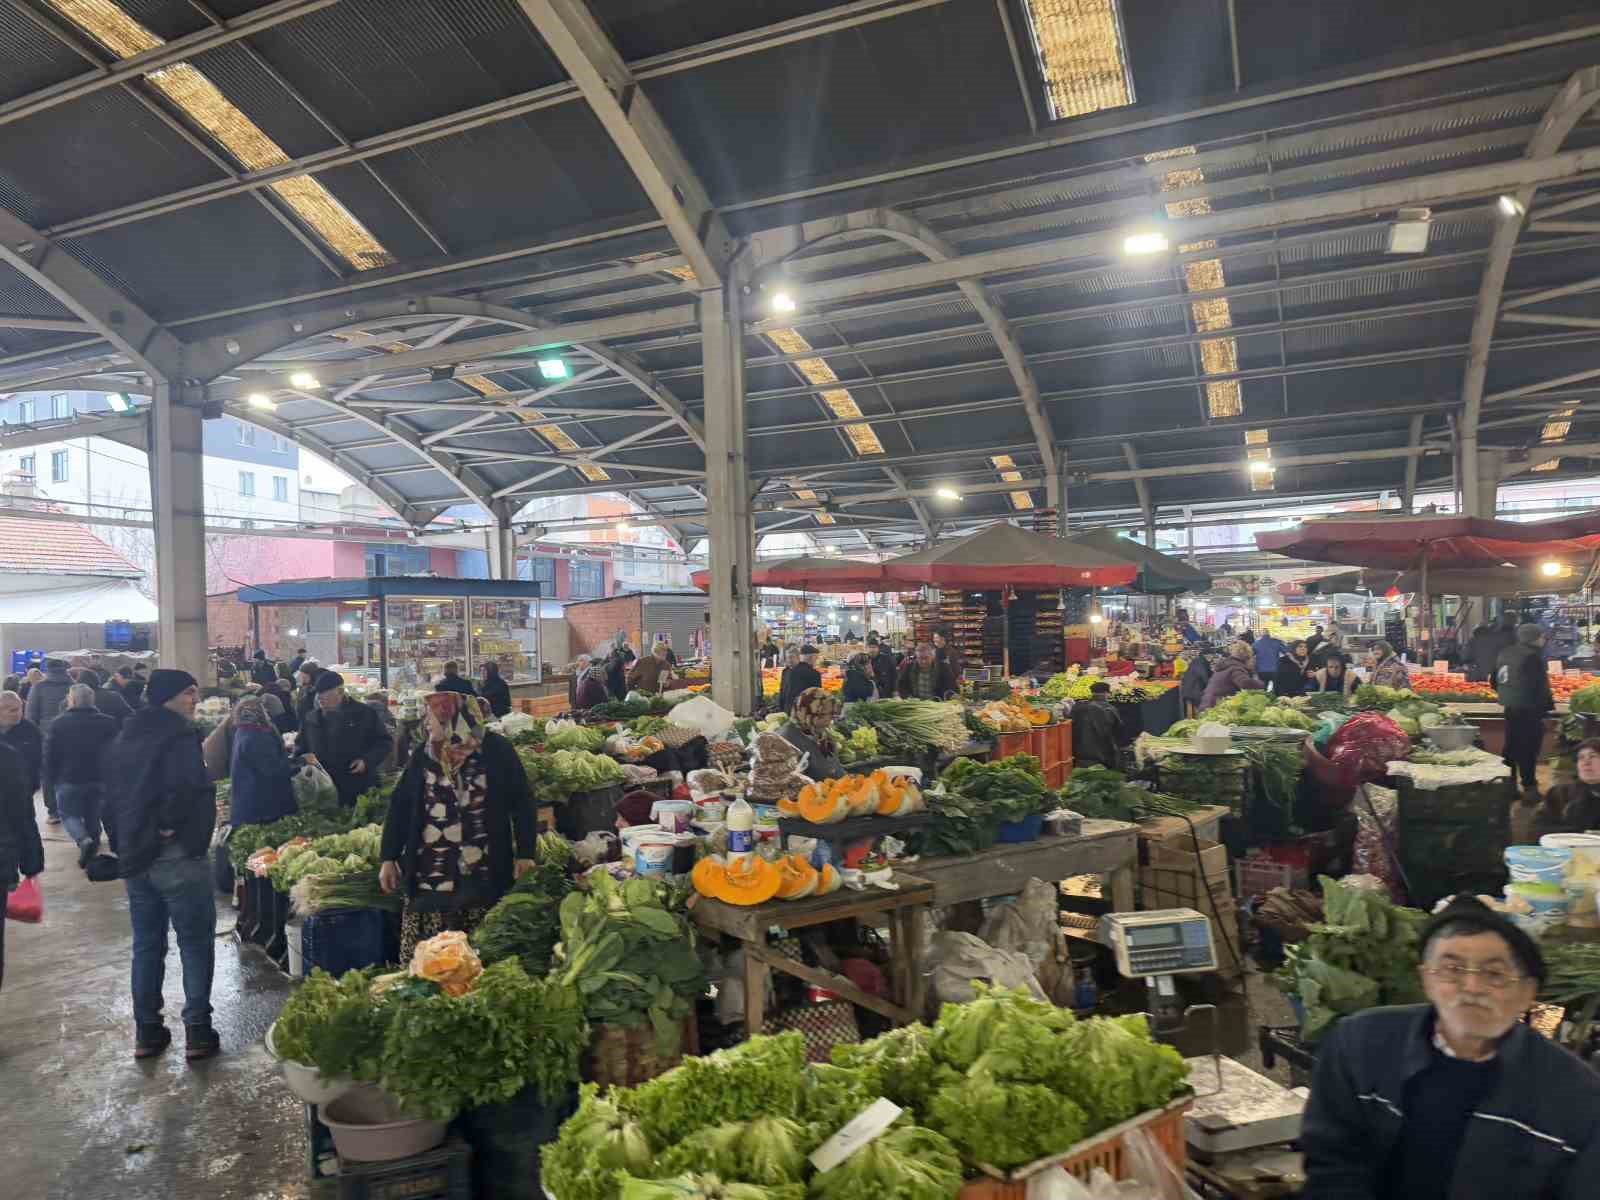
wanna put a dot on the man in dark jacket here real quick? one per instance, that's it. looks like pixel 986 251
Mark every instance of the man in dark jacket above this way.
pixel 1488 642
pixel 159 818
pixel 1522 681
pixel 22 735
pixel 108 700
pixel 1192 687
pixel 262 671
pixel 803 674
pixel 72 752
pixel 451 681
pixel 1097 730
pixel 45 700
pixel 21 851
pixel 885 669
pixel 297 661
pixel 924 677
pixel 346 737
pixel 1454 1098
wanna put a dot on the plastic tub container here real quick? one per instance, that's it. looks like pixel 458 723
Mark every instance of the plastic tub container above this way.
pixel 1546 905
pixel 674 816
pixel 652 857
pixel 1452 737
pixel 1025 830
pixel 1537 864
pixel 307 1082
pixel 1570 841
pixel 368 1126
pixel 293 936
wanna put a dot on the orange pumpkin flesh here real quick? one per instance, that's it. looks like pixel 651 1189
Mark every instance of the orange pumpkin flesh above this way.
pixel 751 881
pixel 798 879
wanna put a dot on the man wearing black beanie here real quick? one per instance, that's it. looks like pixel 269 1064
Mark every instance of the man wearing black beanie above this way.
pixel 159 814
pixel 1457 1098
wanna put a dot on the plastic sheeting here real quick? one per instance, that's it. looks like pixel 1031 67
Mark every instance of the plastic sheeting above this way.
pixel 77 603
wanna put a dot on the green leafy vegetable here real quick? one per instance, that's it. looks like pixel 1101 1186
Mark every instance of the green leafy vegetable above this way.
pixel 705 1187
pixel 594 1144
pixel 760 1077
pixel 766 1150
pixel 907 1163
pixel 1007 1125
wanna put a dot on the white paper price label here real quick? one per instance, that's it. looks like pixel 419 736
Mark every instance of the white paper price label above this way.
pixel 866 1125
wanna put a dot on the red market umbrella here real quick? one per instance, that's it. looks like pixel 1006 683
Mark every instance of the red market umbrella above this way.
pixel 1003 555
pixel 809 573
pixel 1448 543
pixel 1492 581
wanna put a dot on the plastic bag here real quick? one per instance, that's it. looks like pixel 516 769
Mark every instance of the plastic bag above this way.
pixel 26 904
pixel 955 960
pixel 1366 744
pixel 314 786
pixel 1376 816
pixel 1328 724
pixel 710 720
pixel 449 960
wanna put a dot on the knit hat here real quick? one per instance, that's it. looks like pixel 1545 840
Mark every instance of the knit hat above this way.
pixel 165 683
pixel 1473 913
pixel 329 680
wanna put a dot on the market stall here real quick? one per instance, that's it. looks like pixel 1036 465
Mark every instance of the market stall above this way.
pixel 401 630
pixel 1106 848
pixel 1159 574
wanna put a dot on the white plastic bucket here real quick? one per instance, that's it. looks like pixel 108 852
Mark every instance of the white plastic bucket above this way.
pixel 1546 905
pixel 652 857
pixel 1537 864
pixel 294 936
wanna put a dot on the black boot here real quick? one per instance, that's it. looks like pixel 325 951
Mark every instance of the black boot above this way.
pixel 151 1040
pixel 201 1041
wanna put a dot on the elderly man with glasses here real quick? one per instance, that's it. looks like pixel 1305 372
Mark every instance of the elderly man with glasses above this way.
pixel 1455 1099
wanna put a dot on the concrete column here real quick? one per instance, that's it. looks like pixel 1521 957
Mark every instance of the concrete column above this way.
pixel 729 527
pixel 1481 485
pixel 1061 499
pixel 178 497
pixel 502 539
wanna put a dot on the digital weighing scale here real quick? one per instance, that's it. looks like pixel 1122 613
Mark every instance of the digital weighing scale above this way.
pixel 1155 946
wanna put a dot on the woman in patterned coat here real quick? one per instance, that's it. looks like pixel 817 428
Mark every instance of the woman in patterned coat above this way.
pixel 461 827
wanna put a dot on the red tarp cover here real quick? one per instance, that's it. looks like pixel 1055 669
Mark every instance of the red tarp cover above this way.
pixel 1452 542
pixel 808 573
pixel 1003 554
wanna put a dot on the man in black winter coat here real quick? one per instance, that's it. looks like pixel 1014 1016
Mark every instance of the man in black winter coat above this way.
pixel 72 753
pixel 108 700
pixel 45 700
pixel 451 681
pixel 159 818
pixel 885 669
pixel 1522 683
pixel 22 735
pixel 345 737
pixel 21 851
pixel 1488 642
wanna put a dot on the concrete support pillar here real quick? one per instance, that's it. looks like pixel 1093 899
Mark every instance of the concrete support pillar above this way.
pixel 1061 502
pixel 1481 483
pixel 729 527
pixel 502 539
pixel 1188 521
pixel 178 497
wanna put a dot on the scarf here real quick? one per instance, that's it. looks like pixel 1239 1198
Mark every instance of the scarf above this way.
pixel 814 711
pixel 455 730
pixel 251 713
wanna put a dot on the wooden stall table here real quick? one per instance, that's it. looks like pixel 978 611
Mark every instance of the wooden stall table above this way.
pixel 902 909
pixel 1107 848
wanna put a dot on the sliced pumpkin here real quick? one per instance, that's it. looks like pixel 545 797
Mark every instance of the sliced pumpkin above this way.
pixel 750 881
pixel 862 794
pixel 789 807
pixel 823 806
pixel 709 878
pixel 797 878
pixel 828 880
pixel 891 799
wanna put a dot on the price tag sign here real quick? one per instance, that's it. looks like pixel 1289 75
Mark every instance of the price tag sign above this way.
pixel 866 1125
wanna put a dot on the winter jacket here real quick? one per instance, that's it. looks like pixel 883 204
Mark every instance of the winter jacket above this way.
pixel 455 683
pixel 1230 677
pixel 1535 1137
pixel 649 673
pixel 820 764
pixel 160 784
pixel 617 671
pixel 24 737
pixel 1392 673
pixel 512 822
pixel 797 679
pixel 261 771
pixel 1318 658
pixel 1192 686
pixel 1522 679
pixel 1569 808
pixel 1485 648
pixel 1290 679
pixel 47 697
pixel 21 851
pixel 1096 734
pixel 338 738
pixel 305 700
pixel 73 747
pixel 857 684
pixel 590 692
pixel 498 693
pixel 262 672
pixel 944 681
pixel 885 670
pixel 107 700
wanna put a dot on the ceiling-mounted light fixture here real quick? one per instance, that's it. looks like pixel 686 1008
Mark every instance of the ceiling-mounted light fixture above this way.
pixel 1149 242
pixel 117 401
pixel 1550 570
pixel 305 380
pixel 783 301
pixel 947 493
pixel 1409 233
pixel 553 368
pixel 1510 206
pixel 260 400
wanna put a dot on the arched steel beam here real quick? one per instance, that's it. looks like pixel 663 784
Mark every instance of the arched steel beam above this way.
pixel 1571 103
pixel 206 360
pixel 105 309
pixel 920 237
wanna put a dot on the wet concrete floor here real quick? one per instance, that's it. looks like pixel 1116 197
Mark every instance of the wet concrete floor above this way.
pixel 79 1118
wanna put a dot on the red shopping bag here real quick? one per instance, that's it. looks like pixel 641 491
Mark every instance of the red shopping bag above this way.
pixel 26 903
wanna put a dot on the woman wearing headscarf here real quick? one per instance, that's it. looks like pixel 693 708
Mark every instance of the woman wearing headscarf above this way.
pixel 857 679
pixel 592 688
pixel 305 697
pixel 260 766
pixel 1232 675
pixel 617 663
pixel 809 730
pixel 461 826
pixel 1387 669
pixel 282 719
pixel 495 689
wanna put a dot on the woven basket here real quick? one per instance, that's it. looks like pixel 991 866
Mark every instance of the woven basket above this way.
pixel 625 1055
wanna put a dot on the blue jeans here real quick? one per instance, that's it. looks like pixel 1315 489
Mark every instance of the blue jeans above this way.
pixel 175 890
pixel 79 805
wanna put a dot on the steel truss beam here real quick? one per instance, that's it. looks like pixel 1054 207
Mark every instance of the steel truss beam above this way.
pixel 1570 105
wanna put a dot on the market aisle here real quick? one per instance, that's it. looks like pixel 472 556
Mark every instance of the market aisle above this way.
pixel 73 1102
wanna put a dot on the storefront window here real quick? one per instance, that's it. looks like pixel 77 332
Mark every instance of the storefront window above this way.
pixel 588 580
pixel 424 634
pixel 506 632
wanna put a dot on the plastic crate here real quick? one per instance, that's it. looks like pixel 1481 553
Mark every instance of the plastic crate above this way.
pixel 346 940
pixel 1107 1150
pixel 441 1174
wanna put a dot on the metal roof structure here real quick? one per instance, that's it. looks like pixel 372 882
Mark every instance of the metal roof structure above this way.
pixel 457 247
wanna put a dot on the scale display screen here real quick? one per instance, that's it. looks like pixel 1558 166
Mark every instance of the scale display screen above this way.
pixel 1154 935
